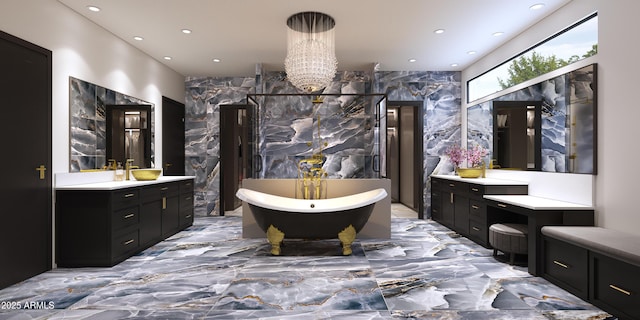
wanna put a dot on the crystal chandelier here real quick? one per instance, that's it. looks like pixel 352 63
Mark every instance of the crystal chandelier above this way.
pixel 311 59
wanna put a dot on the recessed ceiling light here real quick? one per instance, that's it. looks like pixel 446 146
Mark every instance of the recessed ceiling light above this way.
pixel 216 60
pixel 454 64
pixel 93 8
pixel 497 34
pixel 471 52
pixel 138 38
pixel 186 31
pixel 536 6
pixel 167 58
pixel 438 31
pixel 412 60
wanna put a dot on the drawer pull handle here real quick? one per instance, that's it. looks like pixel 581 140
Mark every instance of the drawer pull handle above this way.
pixel 619 289
pixel 187 216
pixel 474 189
pixel 561 264
pixel 164 188
pixel 164 203
pixel 451 197
pixel 475 207
pixel 502 205
pixel 434 210
pixel 130 215
pixel 129 195
pixel 475 229
pixel 187 198
pixel 128 242
pixel 451 185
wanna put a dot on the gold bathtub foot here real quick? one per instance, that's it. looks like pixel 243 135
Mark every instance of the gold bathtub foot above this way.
pixel 275 238
pixel 347 236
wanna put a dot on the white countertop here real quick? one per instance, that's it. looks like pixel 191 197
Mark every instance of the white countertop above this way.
pixel 537 203
pixel 114 185
pixel 482 181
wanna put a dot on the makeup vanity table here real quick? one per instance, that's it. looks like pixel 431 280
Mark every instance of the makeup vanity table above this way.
pixel 471 206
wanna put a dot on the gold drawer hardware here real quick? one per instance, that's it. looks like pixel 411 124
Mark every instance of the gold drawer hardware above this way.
pixel 128 242
pixel 164 188
pixel 164 202
pixel 501 205
pixel 475 229
pixel 451 185
pixel 42 169
pixel 619 289
pixel 434 210
pixel 474 189
pixel 130 215
pixel 451 197
pixel 475 207
pixel 129 195
pixel 187 198
pixel 188 216
pixel 561 264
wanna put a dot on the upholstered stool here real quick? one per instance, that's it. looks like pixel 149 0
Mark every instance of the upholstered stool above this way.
pixel 509 238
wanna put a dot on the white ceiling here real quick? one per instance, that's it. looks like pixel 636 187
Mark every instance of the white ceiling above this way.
pixel 244 32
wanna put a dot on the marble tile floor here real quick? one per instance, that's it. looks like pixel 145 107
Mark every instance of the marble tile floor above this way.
pixel 425 271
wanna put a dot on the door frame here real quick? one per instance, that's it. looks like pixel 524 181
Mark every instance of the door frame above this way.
pixel 224 138
pixel 418 183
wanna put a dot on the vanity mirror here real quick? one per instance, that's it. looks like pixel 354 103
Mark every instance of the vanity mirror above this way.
pixel 89 133
pixel 548 126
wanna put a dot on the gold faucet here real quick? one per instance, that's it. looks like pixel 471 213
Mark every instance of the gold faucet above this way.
pixel 128 167
pixel 112 164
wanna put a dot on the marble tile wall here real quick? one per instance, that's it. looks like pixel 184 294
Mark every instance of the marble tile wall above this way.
pixel 286 125
pixel 440 92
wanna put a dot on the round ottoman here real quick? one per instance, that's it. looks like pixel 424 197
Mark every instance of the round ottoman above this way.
pixel 509 238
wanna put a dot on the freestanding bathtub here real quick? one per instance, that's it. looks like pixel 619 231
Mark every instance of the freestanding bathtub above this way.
pixel 283 217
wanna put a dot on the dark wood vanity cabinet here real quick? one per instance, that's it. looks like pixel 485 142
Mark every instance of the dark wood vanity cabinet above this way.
pixel 105 227
pixel 460 206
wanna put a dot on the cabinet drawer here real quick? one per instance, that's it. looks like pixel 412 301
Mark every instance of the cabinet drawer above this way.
pixel 566 265
pixel 477 210
pixel 125 243
pixel 125 217
pixel 186 201
pixel 125 198
pixel 478 232
pixel 155 192
pixel 476 190
pixel 186 218
pixel 616 286
pixel 186 186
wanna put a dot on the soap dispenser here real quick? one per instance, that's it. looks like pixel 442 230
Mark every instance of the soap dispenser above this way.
pixel 119 173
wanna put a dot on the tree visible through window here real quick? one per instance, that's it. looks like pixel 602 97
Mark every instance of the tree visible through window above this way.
pixel 567 46
pixel 528 67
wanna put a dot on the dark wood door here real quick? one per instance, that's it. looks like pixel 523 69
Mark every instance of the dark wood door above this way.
pixel 26 188
pixel 173 137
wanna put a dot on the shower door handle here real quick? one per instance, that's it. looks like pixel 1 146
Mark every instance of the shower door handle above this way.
pixel 258 161
pixel 375 165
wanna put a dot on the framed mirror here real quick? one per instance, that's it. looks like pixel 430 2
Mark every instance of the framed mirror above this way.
pixel 88 132
pixel 564 137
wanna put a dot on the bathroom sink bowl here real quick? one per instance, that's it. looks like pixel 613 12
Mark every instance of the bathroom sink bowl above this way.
pixel 146 174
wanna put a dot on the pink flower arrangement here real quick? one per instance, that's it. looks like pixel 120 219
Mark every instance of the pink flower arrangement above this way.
pixel 474 157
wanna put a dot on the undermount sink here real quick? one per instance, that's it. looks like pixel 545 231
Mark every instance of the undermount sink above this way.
pixel 146 174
